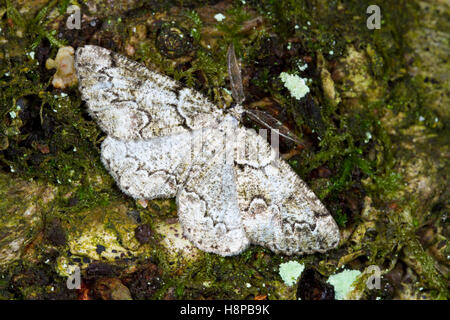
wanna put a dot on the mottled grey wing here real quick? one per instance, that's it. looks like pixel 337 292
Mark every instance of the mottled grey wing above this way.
pixel 208 201
pixel 130 102
pixel 191 166
pixel 149 169
pixel 278 209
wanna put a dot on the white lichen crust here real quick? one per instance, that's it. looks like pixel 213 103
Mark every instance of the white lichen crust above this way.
pixel 165 140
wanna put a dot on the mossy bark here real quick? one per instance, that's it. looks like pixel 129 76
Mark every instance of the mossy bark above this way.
pixel 374 127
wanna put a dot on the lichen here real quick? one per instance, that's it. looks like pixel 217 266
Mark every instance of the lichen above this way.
pixel 219 17
pixel 290 271
pixel 296 85
pixel 343 283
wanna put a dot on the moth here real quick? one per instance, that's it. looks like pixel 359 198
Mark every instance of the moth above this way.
pixel 165 140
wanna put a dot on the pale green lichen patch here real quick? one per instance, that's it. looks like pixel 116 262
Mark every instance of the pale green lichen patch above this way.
pixel 343 283
pixel 290 272
pixel 296 85
pixel 219 17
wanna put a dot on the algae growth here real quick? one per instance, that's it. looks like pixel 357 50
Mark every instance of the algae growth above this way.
pixel 374 132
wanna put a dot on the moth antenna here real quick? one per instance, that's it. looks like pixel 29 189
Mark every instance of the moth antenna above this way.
pixel 237 91
pixel 234 72
pixel 258 116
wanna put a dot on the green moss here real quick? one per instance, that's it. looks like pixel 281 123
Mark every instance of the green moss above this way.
pixel 341 218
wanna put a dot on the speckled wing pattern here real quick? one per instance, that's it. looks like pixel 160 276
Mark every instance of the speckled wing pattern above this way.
pixel 165 140
pixel 130 102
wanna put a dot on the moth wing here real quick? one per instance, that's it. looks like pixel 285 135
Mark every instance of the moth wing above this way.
pixel 130 102
pixel 148 169
pixel 278 209
pixel 208 202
